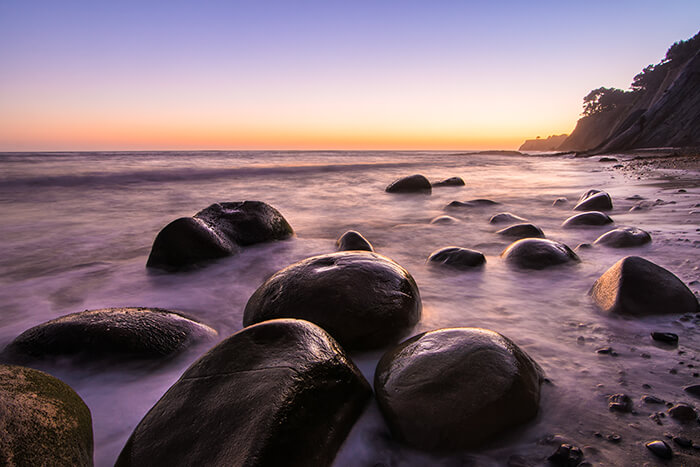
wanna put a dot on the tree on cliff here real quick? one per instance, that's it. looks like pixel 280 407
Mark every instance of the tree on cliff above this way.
pixel 605 99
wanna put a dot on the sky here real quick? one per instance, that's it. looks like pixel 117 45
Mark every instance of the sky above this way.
pixel 148 75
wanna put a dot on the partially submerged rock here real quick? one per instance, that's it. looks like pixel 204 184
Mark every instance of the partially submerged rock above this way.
pixel 522 231
pixel 624 237
pixel 215 232
pixel 444 220
pixel 456 257
pixel 133 333
pixel 585 219
pixel 281 392
pixel 353 240
pixel 538 253
pixel 364 300
pixel 456 388
pixel 594 200
pixel 474 203
pixel 452 181
pixel 636 286
pixel 505 217
pixel 42 421
pixel 412 184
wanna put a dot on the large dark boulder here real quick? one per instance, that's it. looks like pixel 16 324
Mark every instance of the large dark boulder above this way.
pixel 282 392
pixel 635 286
pixel 624 237
pixel 131 333
pixel 538 253
pixel 457 258
pixel 586 219
pixel 505 217
pixel 352 240
pixel 594 200
pixel 186 241
pixel 522 231
pixel 452 181
pixel 217 231
pixel 411 184
pixel 364 300
pixel 246 222
pixel 456 388
pixel 42 421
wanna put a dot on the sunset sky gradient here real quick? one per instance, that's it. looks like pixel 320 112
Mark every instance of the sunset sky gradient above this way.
pixel 140 75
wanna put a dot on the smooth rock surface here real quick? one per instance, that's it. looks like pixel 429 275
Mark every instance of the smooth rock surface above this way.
pixel 591 218
pixel 444 220
pixel 452 181
pixel 474 203
pixel 457 258
pixel 594 200
pixel 282 392
pixel 505 217
pixel 353 240
pixel 660 449
pixel 635 286
pixel 132 333
pixel 364 300
pixel 522 231
pixel 42 421
pixel 624 237
pixel 538 253
pixel 456 388
pixel 412 184
pixel 246 222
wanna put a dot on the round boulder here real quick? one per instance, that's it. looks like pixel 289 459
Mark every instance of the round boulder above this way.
pixel 135 333
pixel 457 258
pixel 636 286
pixel 364 300
pixel 412 184
pixel 522 231
pixel 452 181
pixel 246 222
pixel 505 217
pixel 281 392
pixel 538 253
pixel 594 200
pixel 473 203
pixel 352 240
pixel 624 237
pixel 42 420
pixel 456 388
pixel 445 220
pixel 585 219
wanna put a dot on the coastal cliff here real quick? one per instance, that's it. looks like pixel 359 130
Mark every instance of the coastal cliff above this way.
pixel 551 143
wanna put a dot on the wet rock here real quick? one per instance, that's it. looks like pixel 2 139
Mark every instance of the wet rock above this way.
pixel 215 232
pixel 412 184
pixel 624 237
pixel 474 203
pixel 566 455
pixel 42 421
pixel 590 218
pixel 458 258
pixel 607 159
pixel 456 388
pixel 606 351
pixel 652 400
pixel 560 202
pixel 452 181
pixel 594 200
pixel 583 246
pixel 522 231
pixel 614 438
pixel 660 449
pixel 693 390
pixel 666 337
pixel 444 220
pixel 683 442
pixel 126 333
pixel 682 413
pixel 620 403
pixel 282 392
pixel 538 253
pixel 505 217
pixel 639 287
pixel 364 300
pixel 352 240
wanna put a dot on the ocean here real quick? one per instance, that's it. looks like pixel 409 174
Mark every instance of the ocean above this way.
pixel 77 229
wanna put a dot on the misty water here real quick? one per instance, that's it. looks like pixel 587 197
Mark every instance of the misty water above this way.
pixel 77 229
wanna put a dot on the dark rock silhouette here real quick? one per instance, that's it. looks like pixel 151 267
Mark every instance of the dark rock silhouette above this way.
pixel 550 143
pixel 505 217
pixel 247 222
pixel 624 237
pixel 522 231
pixel 42 420
pixel 586 219
pixel 636 286
pixel 538 253
pixel 364 300
pixel 411 184
pixel 456 388
pixel 126 333
pixel 594 200
pixel 474 203
pixel 457 258
pixel 452 181
pixel 353 240
pixel 281 392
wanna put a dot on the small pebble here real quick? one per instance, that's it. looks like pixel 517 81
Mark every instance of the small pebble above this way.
pixel 667 337
pixel 682 442
pixel 614 438
pixel 606 351
pixel 660 449
pixel 682 413
pixel 620 403
pixel 652 400
pixel 673 371
pixel 566 455
pixel 645 355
